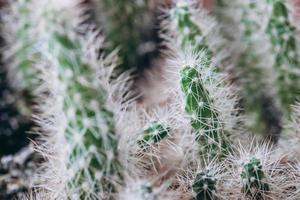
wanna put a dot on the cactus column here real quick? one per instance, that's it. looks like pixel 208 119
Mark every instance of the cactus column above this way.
pixel 91 145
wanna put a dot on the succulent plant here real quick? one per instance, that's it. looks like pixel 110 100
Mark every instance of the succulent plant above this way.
pixel 80 118
pixel 253 178
pixel 154 133
pixel 284 46
pixel 180 135
pixel 204 186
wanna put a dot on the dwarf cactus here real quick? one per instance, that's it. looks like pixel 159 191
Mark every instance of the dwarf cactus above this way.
pixel 205 186
pixel 253 179
pixel 196 79
pixel 281 33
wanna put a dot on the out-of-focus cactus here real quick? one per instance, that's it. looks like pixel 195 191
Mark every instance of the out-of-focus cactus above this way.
pixel 284 46
pixel 130 26
pixel 101 150
pixel 259 100
pixel 190 33
pixel 17 80
pixel 19 26
pixel 140 190
pixel 253 178
pixel 82 124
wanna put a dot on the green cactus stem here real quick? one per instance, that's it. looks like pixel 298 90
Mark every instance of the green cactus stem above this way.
pixel 91 143
pixel 190 33
pixel 282 37
pixel 91 122
pixel 198 104
pixel 253 179
pixel 154 133
pixel 204 186
pixel 198 101
pixel 257 100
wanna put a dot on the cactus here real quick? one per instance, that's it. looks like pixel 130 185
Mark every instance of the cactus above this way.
pixel 102 141
pixel 90 157
pixel 258 99
pixel 253 178
pixel 189 31
pixel 154 133
pixel 125 29
pixel 19 35
pixel 205 186
pixel 204 117
pixel 281 33
pixel 140 190
pixel 198 102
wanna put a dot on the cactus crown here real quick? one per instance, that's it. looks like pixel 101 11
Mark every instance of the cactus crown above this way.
pixel 253 179
pixel 204 186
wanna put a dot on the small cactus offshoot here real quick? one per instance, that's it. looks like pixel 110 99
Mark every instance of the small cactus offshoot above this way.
pixel 204 186
pixel 253 178
pixel 154 133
